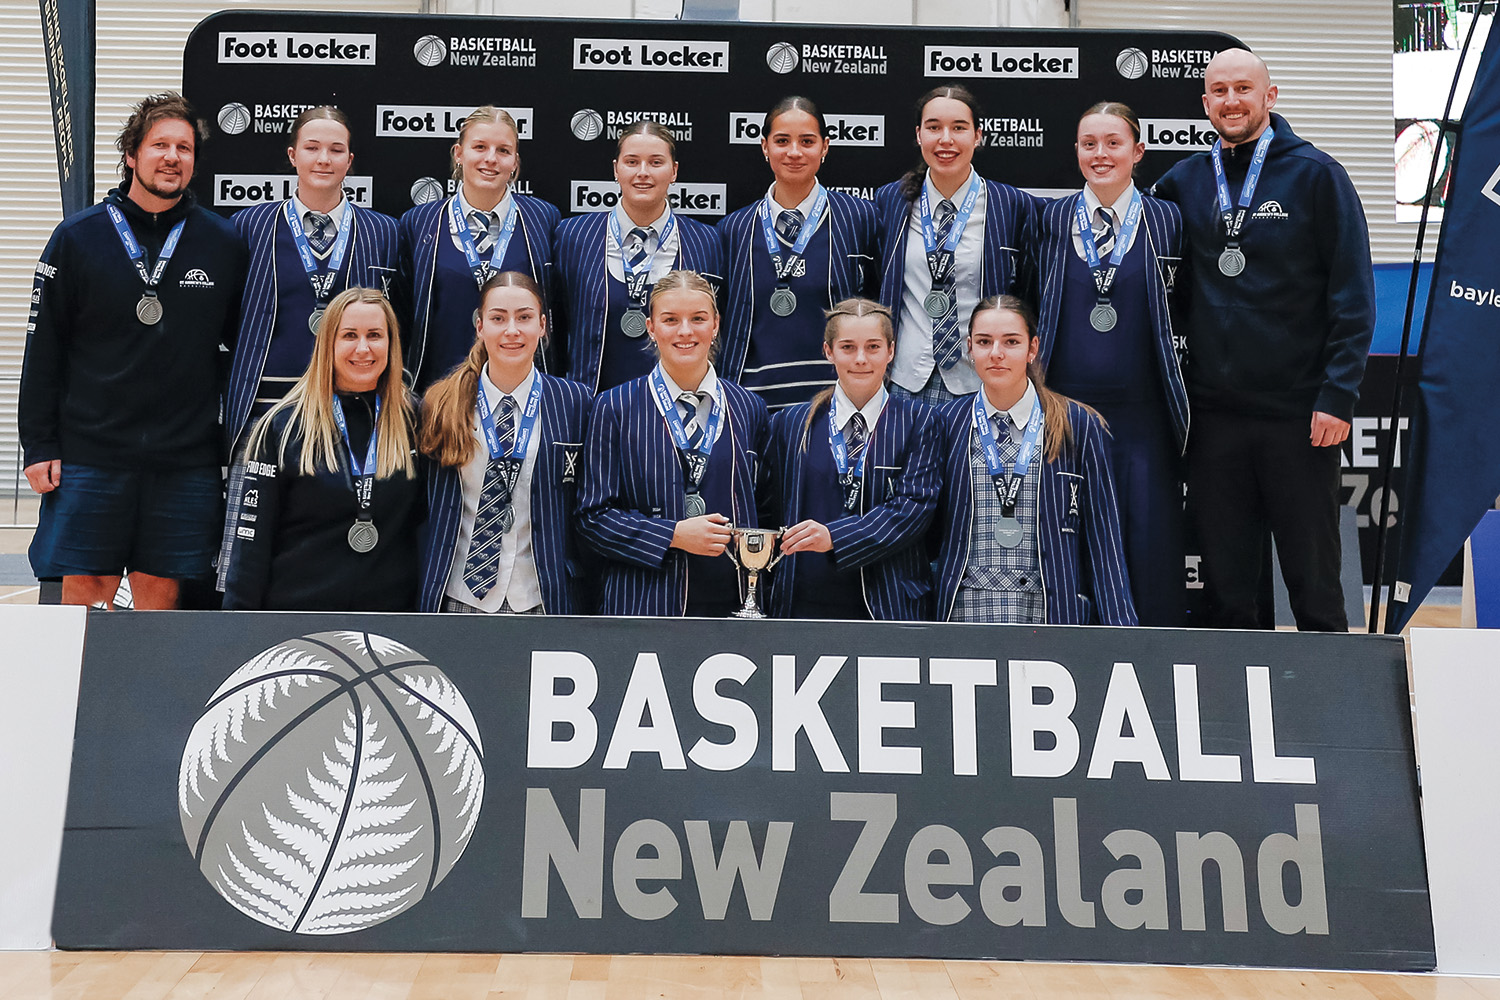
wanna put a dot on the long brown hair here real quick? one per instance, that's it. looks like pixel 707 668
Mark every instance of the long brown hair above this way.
pixel 852 308
pixel 1056 427
pixel 447 435
pixel 311 400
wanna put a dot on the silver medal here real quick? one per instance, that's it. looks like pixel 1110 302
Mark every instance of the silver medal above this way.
pixel 363 536
pixel 1008 532
pixel 783 302
pixel 148 310
pixel 937 304
pixel 633 323
pixel 313 319
pixel 695 505
pixel 1232 262
pixel 1103 317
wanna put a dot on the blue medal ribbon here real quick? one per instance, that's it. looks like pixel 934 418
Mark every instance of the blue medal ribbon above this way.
pixel 804 236
pixel 363 476
pixel 1007 487
pixel 635 281
pixel 482 269
pixel 137 253
pixel 510 461
pixel 940 259
pixel 696 459
pixel 849 479
pixel 1104 277
pixel 322 283
pixel 1234 215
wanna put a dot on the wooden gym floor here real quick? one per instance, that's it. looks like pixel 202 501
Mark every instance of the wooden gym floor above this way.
pixel 310 976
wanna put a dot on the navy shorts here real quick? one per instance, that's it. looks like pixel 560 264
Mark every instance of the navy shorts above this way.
pixel 102 522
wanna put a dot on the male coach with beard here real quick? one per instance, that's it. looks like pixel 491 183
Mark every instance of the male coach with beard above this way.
pixel 1280 309
pixel 120 387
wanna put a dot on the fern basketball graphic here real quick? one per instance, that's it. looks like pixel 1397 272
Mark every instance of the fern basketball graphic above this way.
pixel 331 782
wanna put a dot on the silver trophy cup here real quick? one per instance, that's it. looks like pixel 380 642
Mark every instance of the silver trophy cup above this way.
pixel 754 551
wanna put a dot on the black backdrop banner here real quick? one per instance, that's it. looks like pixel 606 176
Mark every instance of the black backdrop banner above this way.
pixel 476 783
pixel 572 85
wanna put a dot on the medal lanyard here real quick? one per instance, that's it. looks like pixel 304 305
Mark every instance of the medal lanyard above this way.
pixel 840 449
pixel 479 268
pixel 523 430
pixel 695 458
pixel 635 281
pixel 804 235
pixel 322 289
pixel 940 259
pixel 1008 488
pixel 363 476
pixel 137 253
pixel 1234 216
pixel 1104 277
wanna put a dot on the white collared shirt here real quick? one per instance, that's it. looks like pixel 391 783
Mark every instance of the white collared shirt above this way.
pixel 499 212
pixel 804 208
pixel 1020 415
pixel 844 409
pixel 710 385
pixel 661 262
pixel 337 215
pixel 914 357
pixel 1116 212
pixel 517 581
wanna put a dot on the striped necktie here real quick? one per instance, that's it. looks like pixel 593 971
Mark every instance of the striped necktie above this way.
pixel 788 225
pixel 689 405
pixel 856 436
pixel 634 250
pixel 482 567
pixel 320 231
pixel 1104 232
pixel 484 227
pixel 947 347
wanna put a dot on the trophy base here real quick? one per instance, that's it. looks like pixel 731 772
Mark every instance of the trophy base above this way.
pixel 748 611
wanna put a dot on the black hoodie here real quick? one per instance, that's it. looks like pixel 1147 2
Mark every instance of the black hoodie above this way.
pixel 98 386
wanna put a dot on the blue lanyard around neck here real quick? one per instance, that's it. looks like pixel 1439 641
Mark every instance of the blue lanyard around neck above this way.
pixel 322 284
pixel 675 425
pixel 804 235
pixel 940 259
pixel 524 428
pixel 1007 488
pixel 1104 278
pixel 137 253
pixel 635 281
pixel 1234 215
pixel 363 475
pixel 482 269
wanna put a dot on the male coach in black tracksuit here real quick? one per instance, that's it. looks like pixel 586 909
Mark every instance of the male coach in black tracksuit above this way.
pixel 1280 307
pixel 120 386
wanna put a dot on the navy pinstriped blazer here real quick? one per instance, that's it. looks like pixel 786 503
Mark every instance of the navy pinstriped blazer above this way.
pixel 583 285
pixel 632 494
pixel 1007 219
pixel 1084 581
pixel 853 258
pixel 561 423
pixel 372 245
pixel 422 226
pixel 887 543
pixel 1047 252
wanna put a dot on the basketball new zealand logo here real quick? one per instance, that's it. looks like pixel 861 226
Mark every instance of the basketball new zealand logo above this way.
pixel 331 782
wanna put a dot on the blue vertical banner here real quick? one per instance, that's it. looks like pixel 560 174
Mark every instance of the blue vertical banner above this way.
pixel 68 37
pixel 1453 471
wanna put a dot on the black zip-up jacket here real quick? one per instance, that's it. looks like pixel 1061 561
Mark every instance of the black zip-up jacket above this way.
pixel 1291 334
pixel 98 386
pixel 291 550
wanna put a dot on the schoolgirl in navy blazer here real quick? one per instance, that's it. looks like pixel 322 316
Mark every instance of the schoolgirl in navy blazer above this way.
pixel 855 544
pixel 594 344
pixel 948 133
pixel 279 297
pixel 660 559
pixel 778 357
pixel 452 439
pixel 436 278
pixel 1084 580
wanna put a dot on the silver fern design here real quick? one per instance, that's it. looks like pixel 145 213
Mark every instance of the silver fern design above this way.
pixel 331 782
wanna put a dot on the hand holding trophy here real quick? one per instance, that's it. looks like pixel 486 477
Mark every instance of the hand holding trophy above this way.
pixel 754 550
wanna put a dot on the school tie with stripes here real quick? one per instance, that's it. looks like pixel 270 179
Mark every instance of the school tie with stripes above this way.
pixel 484 227
pixel 947 348
pixel 482 567
pixel 788 225
pixel 689 404
pixel 856 436
pixel 320 231
pixel 1104 232
pixel 635 248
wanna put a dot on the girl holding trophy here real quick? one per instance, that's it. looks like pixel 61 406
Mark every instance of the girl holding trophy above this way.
pixel 1030 529
pixel 855 472
pixel 670 465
